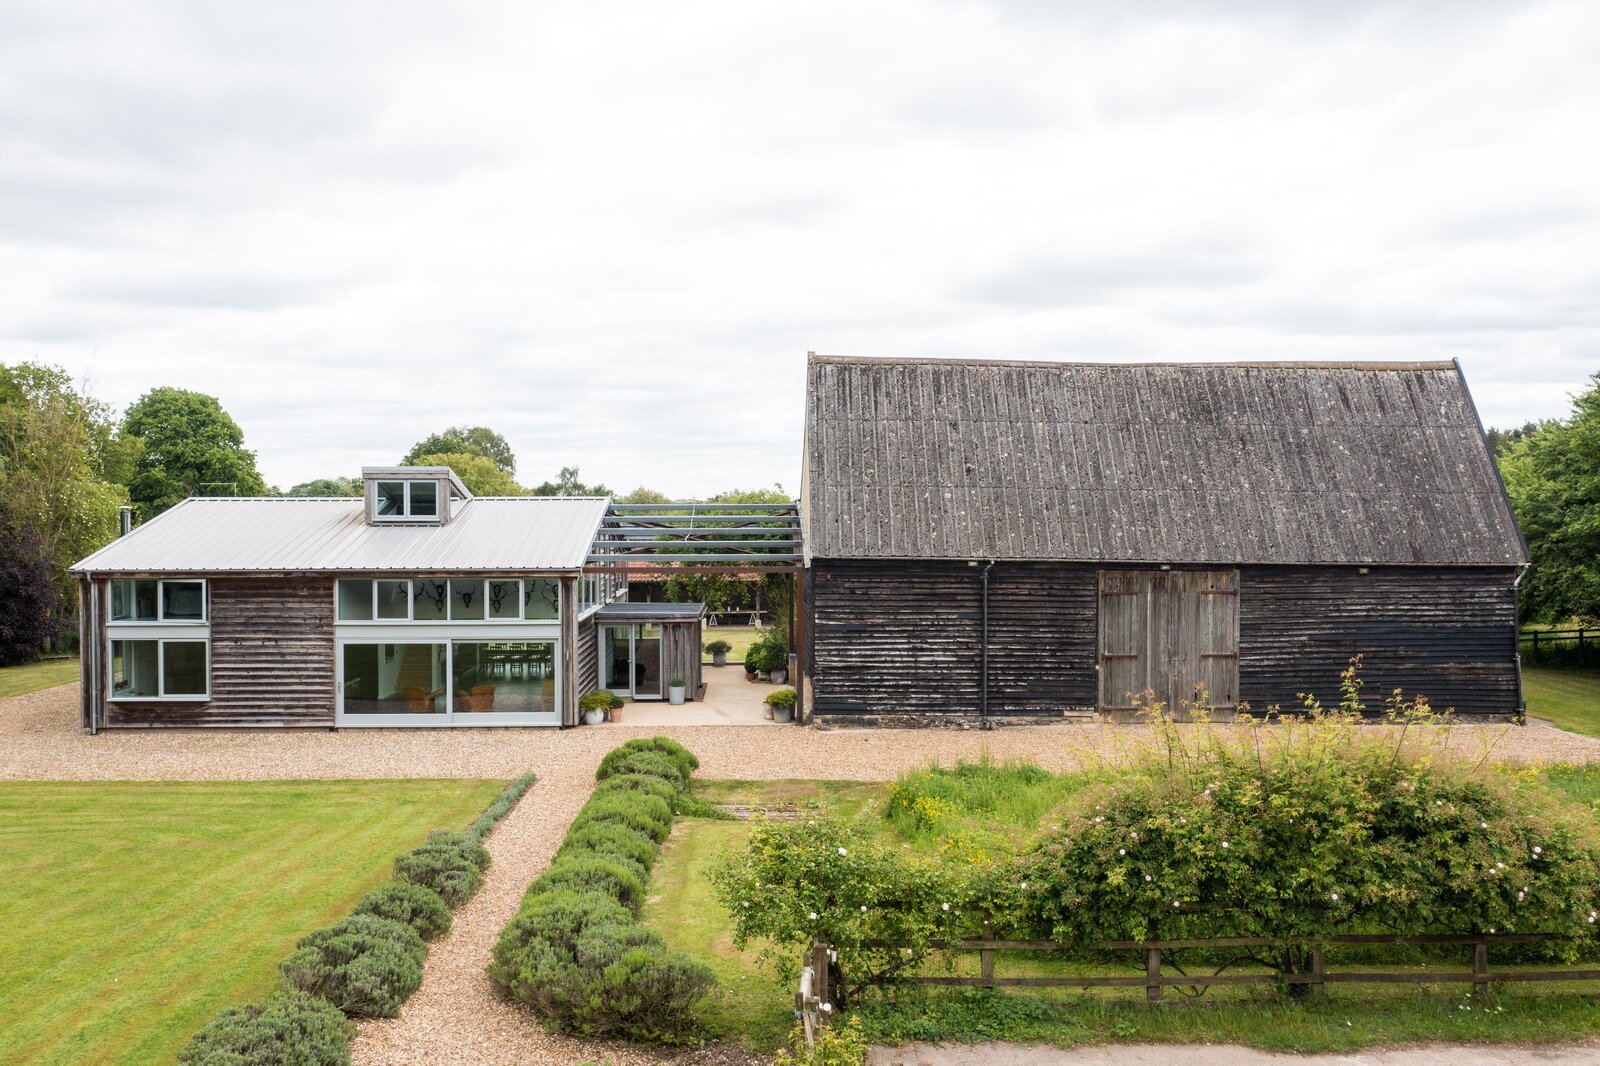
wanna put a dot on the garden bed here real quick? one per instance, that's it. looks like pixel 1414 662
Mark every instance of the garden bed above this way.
pixel 753 1007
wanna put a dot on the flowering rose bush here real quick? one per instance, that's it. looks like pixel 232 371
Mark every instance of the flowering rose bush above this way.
pixel 821 879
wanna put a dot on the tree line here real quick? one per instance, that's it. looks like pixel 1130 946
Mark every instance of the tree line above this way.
pixel 69 463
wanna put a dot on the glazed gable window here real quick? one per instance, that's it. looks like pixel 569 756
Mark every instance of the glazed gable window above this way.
pixel 145 600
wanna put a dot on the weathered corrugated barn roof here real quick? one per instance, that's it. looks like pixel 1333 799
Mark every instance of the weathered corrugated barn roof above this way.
pixel 1150 463
pixel 273 534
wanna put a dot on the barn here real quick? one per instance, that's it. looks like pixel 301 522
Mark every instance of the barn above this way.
pixel 1003 542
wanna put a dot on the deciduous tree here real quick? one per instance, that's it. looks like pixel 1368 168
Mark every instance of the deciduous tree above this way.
pixel 479 474
pixel 191 447
pixel 469 440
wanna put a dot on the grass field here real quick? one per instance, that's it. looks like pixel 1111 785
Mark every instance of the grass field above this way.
pixel 741 637
pixel 31 677
pixel 131 912
pixel 1568 698
pixel 751 1007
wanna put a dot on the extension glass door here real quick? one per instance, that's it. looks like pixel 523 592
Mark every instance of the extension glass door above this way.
pixel 630 660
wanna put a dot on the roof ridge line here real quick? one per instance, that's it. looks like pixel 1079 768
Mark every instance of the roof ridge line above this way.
pixel 1263 364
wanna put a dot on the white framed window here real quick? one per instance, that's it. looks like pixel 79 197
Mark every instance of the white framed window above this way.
pixel 143 601
pixel 473 600
pixel 401 500
pixel 160 668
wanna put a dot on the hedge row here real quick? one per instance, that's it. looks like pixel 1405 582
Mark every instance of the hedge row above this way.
pixel 365 966
pixel 575 952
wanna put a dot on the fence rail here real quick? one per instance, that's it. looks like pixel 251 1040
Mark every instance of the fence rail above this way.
pixel 1579 637
pixel 1155 978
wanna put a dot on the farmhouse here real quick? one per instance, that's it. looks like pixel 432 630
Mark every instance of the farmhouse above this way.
pixel 996 541
pixel 416 605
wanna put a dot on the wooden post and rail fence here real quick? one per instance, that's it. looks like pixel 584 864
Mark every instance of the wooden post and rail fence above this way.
pixel 1581 637
pixel 815 991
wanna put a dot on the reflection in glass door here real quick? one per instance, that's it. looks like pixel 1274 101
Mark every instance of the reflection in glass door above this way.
pixel 630 660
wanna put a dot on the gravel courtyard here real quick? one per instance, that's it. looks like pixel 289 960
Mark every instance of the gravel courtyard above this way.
pixel 456 1017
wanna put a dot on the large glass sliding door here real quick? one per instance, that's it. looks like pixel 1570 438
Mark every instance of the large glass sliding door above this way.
pixel 630 660
pixel 503 677
pixel 475 682
pixel 390 679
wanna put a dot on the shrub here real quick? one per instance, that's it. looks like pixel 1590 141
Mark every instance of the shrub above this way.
pixel 290 1029
pixel 610 875
pixel 769 652
pixel 796 883
pixel 504 802
pixel 663 788
pixel 583 966
pixel 449 871
pixel 365 965
pixel 1306 830
pixel 842 1044
pixel 415 905
pixel 652 763
pixel 607 838
pixel 719 647
pixel 647 814
pixel 663 745
pixel 782 698
pixel 599 700
pixel 29 589
pixel 465 843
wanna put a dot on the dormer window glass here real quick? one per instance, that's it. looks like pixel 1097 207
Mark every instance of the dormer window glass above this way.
pixel 399 500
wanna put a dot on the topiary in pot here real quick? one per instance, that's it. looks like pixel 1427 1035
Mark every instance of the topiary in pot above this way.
pixel 782 704
pixel 719 650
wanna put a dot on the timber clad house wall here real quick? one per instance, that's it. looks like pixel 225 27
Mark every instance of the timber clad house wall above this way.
pixel 993 542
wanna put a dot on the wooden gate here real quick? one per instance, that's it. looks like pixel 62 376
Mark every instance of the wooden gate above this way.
pixel 1170 632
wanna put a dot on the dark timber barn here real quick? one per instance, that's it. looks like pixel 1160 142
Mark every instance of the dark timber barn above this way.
pixel 998 542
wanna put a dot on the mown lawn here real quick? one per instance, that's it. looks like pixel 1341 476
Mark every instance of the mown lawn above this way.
pixel 31 677
pixel 1568 698
pixel 750 1007
pixel 130 912
pixel 741 637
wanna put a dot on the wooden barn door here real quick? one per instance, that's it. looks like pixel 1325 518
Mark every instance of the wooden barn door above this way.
pixel 1169 632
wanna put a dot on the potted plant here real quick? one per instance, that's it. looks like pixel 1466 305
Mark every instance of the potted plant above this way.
pixel 782 704
pixel 677 684
pixel 594 705
pixel 719 650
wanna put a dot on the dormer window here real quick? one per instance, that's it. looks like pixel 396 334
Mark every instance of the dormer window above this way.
pixel 407 499
pixel 412 495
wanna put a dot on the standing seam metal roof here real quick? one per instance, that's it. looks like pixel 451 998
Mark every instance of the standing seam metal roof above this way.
pixel 272 533
pixel 1198 463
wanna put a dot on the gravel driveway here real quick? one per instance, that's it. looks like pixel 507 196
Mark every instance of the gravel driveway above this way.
pixel 456 1017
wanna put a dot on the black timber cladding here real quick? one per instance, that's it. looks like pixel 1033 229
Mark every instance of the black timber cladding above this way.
pixel 894 639
pixel 1173 463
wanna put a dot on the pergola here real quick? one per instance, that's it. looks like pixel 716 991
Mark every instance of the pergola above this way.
pixel 718 539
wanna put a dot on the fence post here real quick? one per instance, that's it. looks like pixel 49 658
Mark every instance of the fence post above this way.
pixel 1319 970
pixel 1535 645
pixel 986 959
pixel 1480 968
pixel 1152 974
pixel 820 979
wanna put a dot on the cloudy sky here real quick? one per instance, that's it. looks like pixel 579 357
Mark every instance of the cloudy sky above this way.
pixel 613 230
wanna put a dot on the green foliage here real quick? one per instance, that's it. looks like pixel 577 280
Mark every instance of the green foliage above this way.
pixel 481 476
pixel 607 839
pixel 644 495
pixel 608 875
pixel 32 619
pixel 452 872
pixel 415 905
pixel 327 486
pixel 770 651
pixel 842 1044
pixel 1553 479
pixel 645 814
pixel 599 700
pixel 574 953
pixel 799 882
pixel 289 1029
pixel 584 967
pixel 935 801
pixel 62 463
pixel 365 965
pixel 679 754
pixel 1304 829
pixel 478 441
pixel 497 810
pixel 782 698
pixel 568 483
pixel 190 446
pixel 718 647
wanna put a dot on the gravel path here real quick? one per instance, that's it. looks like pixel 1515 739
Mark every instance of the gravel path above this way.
pixel 40 740
pixel 456 1017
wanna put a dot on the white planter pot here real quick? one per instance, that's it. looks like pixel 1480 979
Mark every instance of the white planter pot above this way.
pixel 762 675
pixel 783 714
pixel 593 717
pixel 719 658
pixel 779 676
pixel 675 694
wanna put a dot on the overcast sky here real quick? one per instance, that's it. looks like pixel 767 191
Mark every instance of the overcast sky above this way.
pixel 612 230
